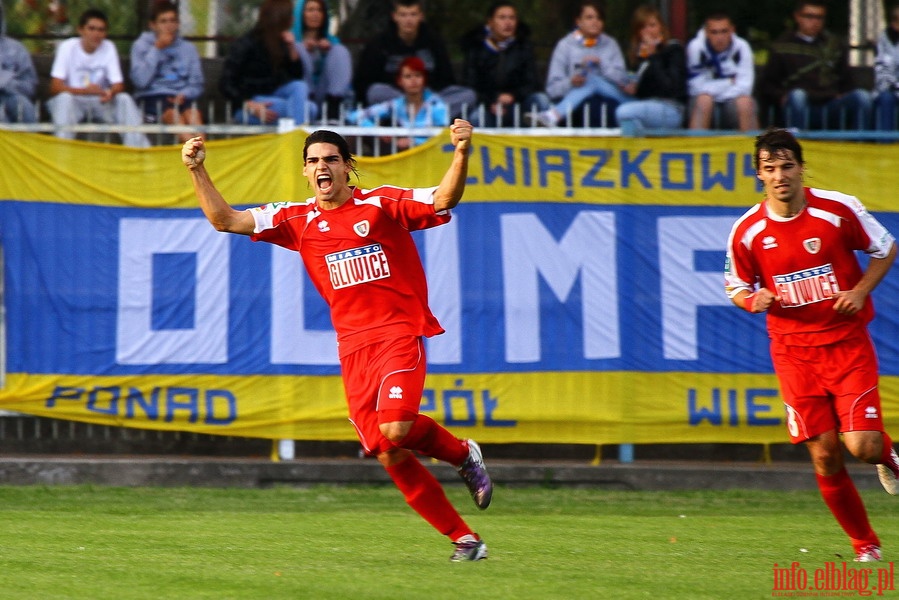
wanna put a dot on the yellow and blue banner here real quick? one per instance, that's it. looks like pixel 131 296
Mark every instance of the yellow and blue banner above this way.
pixel 580 283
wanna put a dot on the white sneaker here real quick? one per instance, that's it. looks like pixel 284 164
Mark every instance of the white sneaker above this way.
pixel 469 548
pixel 549 118
pixel 869 553
pixel 545 118
pixel 889 477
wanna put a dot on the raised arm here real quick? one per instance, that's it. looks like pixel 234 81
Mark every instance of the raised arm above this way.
pixel 451 187
pixel 217 211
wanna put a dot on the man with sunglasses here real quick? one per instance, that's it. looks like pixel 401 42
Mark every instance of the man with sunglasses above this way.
pixel 807 76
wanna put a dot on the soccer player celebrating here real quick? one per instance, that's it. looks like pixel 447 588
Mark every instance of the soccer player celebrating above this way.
pixel 357 248
pixel 793 255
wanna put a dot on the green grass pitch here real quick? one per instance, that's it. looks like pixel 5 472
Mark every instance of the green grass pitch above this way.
pixel 365 543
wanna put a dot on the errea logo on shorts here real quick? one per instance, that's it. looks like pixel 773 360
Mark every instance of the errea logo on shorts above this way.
pixel 396 392
pixel 359 265
pixel 871 412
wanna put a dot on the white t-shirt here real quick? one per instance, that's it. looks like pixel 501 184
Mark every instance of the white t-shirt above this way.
pixel 79 69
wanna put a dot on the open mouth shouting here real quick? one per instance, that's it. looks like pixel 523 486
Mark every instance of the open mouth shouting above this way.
pixel 324 182
pixel 328 174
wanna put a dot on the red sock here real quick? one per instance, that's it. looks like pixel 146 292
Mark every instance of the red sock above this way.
pixel 429 438
pixel 886 458
pixel 424 494
pixel 841 497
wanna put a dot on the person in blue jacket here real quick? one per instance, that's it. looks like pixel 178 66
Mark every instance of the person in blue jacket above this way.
pixel 166 72
pixel 18 80
pixel 417 107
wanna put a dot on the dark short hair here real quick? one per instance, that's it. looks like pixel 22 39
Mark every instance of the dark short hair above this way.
pixel 408 3
pixel 324 136
pixel 719 15
pixel 498 4
pixel 598 5
pixel 160 7
pixel 774 140
pixel 92 13
pixel 800 4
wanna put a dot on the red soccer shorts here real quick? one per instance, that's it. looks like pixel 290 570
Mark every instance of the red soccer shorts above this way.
pixel 829 387
pixel 383 383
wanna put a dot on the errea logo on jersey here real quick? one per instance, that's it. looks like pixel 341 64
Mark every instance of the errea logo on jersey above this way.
pixel 769 242
pixel 871 412
pixel 396 392
pixel 359 265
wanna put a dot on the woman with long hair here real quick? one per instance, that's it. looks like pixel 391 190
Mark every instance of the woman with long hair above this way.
pixel 327 64
pixel 659 84
pixel 263 72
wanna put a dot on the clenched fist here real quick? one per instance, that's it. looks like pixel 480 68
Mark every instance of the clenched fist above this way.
pixel 193 153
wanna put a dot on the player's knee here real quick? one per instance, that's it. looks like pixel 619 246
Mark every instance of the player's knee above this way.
pixel 395 431
pixel 392 457
pixel 865 447
pixel 827 458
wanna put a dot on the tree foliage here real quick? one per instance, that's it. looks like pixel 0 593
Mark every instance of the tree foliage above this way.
pixel 757 20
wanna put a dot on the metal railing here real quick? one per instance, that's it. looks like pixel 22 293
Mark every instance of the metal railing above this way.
pixel 383 140
pixel 368 141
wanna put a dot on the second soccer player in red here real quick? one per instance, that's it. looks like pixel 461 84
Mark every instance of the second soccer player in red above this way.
pixel 793 256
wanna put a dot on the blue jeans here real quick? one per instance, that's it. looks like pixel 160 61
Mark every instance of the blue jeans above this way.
pixel 595 85
pixel 291 100
pixel 885 111
pixel 654 113
pixel 16 108
pixel 850 111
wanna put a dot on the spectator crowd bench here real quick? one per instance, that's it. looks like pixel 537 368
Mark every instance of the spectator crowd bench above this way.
pixel 215 106
pixel 218 114
pixel 217 110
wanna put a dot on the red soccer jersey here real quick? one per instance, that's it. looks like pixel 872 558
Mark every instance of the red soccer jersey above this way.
pixel 806 259
pixel 362 259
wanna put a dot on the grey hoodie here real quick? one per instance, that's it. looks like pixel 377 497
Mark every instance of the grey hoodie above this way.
pixel 886 67
pixel 168 72
pixel 17 73
pixel 568 58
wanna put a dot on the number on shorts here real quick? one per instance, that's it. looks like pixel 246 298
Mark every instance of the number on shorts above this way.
pixel 792 424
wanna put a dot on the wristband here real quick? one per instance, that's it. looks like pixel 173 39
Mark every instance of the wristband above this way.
pixel 747 302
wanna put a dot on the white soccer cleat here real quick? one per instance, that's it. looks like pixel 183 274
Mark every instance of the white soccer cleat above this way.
pixel 889 474
pixel 869 553
pixel 469 548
